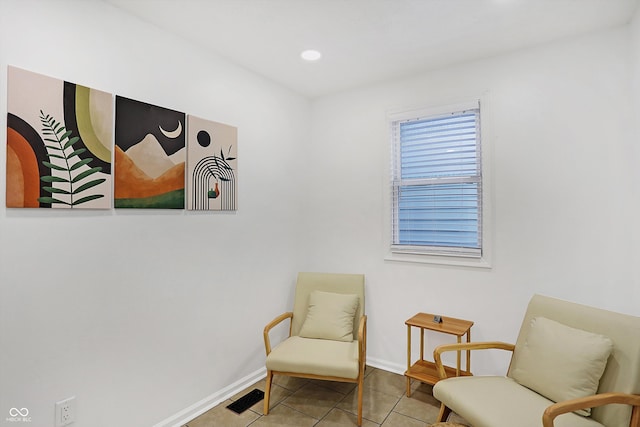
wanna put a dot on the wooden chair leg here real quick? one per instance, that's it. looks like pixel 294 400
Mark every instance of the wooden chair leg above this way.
pixel 635 417
pixel 444 413
pixel 267 391
pixel 360 392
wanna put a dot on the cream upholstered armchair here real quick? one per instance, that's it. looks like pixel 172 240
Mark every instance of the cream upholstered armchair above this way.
pixel 327 333
pixel 567 359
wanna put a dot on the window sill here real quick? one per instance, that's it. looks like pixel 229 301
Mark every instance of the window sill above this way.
pixel 457 261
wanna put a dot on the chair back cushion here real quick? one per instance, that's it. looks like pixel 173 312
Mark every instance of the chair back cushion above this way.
pixel 349 284
pixel 330 316
pixel 622 372
pixel 561 363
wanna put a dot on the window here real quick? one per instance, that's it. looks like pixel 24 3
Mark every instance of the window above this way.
pixel 436 182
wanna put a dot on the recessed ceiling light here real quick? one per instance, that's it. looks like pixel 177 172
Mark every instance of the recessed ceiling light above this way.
pixel 310 55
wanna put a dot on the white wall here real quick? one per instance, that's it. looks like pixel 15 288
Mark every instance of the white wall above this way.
pixel 141 314
pixel 634 30
pixel 563 159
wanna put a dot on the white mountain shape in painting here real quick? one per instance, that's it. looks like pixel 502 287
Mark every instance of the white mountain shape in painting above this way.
pixel 149 156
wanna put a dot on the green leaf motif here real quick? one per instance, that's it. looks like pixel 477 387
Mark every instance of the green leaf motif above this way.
pixel 52 166
pixel 71 142
pixel 49 178
pixel 77 152
pixel 88 199
pixel 51 200
pixel 80 163
pixel 56 190
pixel 61 148
pixel 86 173
pixel 89 185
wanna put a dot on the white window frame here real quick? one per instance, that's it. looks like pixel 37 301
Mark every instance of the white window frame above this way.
pixel 407 254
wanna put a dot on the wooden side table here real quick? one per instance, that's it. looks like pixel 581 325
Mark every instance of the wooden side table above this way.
pixel 424 370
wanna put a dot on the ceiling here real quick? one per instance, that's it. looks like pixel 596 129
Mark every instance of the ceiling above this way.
pixel 369 41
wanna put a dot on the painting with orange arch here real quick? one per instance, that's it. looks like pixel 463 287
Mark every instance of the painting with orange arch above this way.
pixel 59 139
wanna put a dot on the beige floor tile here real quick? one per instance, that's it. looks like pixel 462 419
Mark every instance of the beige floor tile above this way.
pixel 340 418
pixel 290 383
pixel 344 388
pixel 368 370
pixel 314 400
pixel 455 418
pixel 420 386
pixel 283 415
pixel 386 382
pixel 220 416
pixel 398 420
pixel 278 394
pixel 421 406
pixel 376 405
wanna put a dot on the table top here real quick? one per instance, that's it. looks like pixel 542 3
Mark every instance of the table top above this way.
pixel 449 325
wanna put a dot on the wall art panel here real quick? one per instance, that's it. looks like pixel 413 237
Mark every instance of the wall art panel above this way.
pixel 59 139
pixel 149 156
pixel 212 159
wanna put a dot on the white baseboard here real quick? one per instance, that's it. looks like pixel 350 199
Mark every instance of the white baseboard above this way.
pixel 199 408
pixel 385 365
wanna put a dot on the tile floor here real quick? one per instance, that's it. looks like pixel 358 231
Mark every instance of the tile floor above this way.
pixel 301 403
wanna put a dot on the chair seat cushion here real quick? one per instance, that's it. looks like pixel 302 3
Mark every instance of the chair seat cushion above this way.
pixel 315 357
pixel 491 401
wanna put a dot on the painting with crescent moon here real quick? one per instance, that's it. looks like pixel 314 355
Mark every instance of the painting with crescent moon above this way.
pixel 149 156
pixel 59 139
pixel 212 163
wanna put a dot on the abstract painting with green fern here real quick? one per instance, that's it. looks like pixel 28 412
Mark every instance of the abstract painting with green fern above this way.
pixel 59 143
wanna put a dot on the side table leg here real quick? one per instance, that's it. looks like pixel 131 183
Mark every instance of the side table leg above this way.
pixel 458 359
pixel 469 352
pixel 408 360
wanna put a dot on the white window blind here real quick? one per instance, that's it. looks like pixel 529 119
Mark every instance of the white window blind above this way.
pixel 437 184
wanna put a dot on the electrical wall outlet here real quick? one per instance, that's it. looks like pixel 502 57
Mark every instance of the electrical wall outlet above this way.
pixel 65 411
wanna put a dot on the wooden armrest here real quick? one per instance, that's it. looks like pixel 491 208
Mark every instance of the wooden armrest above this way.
pixel 592 401
pixel 273 323
pixel 362 340
pixel 466 346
